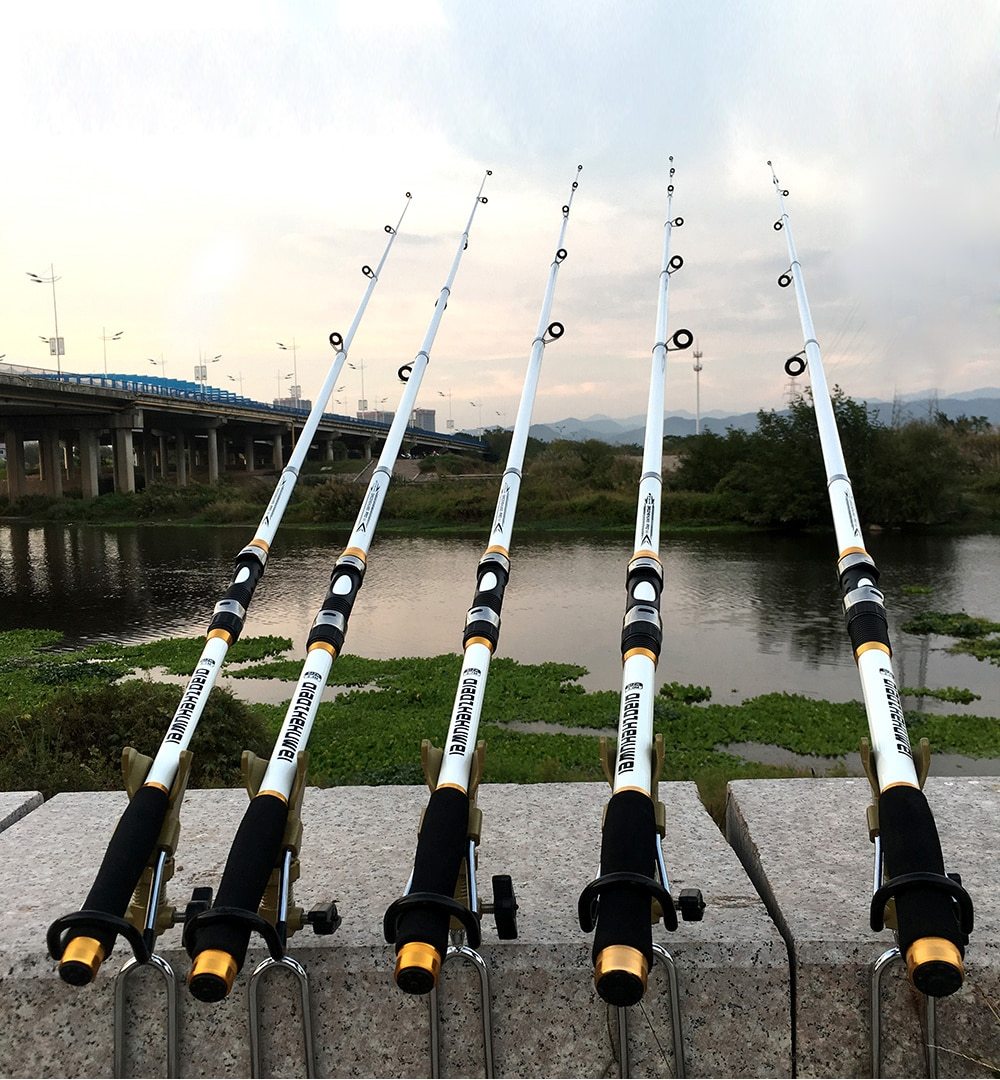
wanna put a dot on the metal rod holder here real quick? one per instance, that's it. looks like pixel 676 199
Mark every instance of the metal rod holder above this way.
pixel 170 981
pixel 253 986
pixel 486 1009
pixel 930 1043
pixel 290 964
pixel 661 954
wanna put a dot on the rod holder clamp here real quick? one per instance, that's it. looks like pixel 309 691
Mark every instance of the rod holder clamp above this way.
pixel 590 897
pixel 950 884
pixel 55 937
pixel 241 917
pixel 455 909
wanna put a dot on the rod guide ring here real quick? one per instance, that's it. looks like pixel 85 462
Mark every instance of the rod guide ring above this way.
pixel 778 226
pixel 561 254
pixel 676 262
pixel 785 279
pixel 682 339
pixel 565 209
pixel 555 331
pixel 670 189
pixel 367 271
pixel 795 365
pixel 389 229
pixel 336 340
pixel 405 372
pixel 677 222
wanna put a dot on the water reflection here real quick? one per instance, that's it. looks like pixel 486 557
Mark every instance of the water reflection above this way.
pixel 742 614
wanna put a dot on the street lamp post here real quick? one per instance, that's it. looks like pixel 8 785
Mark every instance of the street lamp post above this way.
pixel 161 364
pixel 451 422
pixel 51 280
pixel 478 405
pixel 201 371
pixel 362 401
pixel 294 350
pixel 106 337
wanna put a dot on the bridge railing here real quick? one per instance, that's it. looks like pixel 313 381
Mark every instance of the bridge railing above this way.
pixel 160 386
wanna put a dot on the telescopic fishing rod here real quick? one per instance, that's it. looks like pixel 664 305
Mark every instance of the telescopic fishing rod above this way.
pixel 417 924
pixel 81 942
pixel 933 912
pixel 217 940
pixel 620 901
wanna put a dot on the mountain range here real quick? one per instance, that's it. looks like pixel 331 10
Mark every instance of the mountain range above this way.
pixel 631 429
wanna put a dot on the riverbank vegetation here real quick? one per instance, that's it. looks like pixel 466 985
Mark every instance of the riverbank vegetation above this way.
pixel 66 714
pixel 914 474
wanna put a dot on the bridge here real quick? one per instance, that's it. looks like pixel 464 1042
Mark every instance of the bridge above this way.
pixel 163 429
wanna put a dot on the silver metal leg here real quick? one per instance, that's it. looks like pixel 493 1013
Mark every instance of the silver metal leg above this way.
pixel 930 1043
pixel 485 1007
pixel 661 954
pixel 253 986
pixel 623 1063
pixel 170 981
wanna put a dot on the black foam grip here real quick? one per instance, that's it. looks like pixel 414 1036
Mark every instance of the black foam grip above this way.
pixel 910 845
pixel 441 847
pixel 254 854
pixel 628 844
pixel 132 845
pixel 240 591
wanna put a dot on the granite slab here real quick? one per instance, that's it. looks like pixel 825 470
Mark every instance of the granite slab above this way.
pixel 358 849
pixel 805 844
pixel 15 804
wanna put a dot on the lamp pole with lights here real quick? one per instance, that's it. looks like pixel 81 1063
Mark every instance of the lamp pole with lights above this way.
pixel 51 280
pixel 106 337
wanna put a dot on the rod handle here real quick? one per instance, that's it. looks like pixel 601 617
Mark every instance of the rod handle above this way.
pixel 933 912
pixel 83 947
pixel 623 939
pixel 420 933
pixel 218 946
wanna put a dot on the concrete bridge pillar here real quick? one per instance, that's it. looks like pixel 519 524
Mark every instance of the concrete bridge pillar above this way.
pixel 124 464
pixel 89 463
pixel 180 449
pixel 367 449
pixel 50 459
pixel 328 449
pixel 15 464
pixel 148 457
pixel 277 453
pixel 213 455
pixel 163 456
pixel 248 453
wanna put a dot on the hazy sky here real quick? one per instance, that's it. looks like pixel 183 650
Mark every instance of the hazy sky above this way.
pixel 211 176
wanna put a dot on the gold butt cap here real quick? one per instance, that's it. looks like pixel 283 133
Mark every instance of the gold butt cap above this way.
pixel 81 961
pixel 417 967
pixel 934 966
pixel 212 975
pixel 620 974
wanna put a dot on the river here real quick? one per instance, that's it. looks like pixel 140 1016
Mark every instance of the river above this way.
pixel 743 614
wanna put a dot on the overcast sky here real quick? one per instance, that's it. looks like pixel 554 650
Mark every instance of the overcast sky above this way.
pixel 211 177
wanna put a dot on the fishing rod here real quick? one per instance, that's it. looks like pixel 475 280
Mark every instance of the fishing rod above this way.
pixel 80 942
pixel 620 901
pixel 217 940
pixel 417 923
pixel 933 912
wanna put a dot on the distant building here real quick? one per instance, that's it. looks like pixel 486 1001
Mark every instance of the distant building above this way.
pixel 424 419
pixel 293 403
pixel 378 415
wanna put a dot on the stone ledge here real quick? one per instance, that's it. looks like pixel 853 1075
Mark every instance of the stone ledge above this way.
pixel 15 804
pixel 358 848
pixel 805 845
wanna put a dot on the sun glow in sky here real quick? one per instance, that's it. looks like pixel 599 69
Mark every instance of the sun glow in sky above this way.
pixel 211 177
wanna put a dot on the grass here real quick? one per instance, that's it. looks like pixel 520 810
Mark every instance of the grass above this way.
pixel 67 716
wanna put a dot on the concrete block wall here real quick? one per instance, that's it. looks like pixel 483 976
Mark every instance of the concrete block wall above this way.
pixel 772 981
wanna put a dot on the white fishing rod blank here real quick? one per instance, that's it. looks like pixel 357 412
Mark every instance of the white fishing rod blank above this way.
pixel 82 941
pixel 417 924
pixel 933 912
pixel 217 940
pixel 617 904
